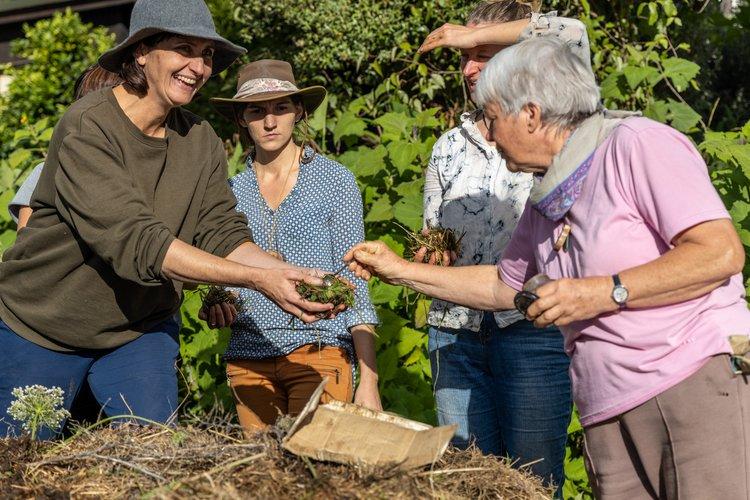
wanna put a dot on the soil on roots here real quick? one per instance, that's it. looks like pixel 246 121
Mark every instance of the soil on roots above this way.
pixel 216 461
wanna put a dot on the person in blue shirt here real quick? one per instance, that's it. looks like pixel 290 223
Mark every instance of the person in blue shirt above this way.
pixel 304 209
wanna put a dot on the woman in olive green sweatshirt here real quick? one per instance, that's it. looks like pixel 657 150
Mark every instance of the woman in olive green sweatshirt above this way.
pixel 133 200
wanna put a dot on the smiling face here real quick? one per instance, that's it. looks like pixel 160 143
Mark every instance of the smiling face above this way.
pixel 474 60
pixel 271 123
pixel 176 68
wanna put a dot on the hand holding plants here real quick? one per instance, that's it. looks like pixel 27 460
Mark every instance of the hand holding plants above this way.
pixel 564 301
pixel 374 258
pixel 280 285
pixel 218 315
pixel 434 246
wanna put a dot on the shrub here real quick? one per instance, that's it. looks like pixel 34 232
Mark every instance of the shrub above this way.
pixel 58 50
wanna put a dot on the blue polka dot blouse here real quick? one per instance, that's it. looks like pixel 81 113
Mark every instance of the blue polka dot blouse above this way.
pixel 315 225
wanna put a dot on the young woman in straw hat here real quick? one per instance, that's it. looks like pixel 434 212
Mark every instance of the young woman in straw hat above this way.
pixel 307 210
pixel 132 201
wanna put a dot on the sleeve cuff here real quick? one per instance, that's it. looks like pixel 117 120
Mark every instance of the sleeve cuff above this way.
pixel 674 229
pixel 161 255
pixel 508 280
pixel 356 317
pixel 233 241
pixel 538 21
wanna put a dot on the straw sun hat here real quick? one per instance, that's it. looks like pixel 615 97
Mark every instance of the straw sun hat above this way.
pixel 266 80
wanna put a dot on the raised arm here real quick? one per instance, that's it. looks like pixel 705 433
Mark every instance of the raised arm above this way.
pixel 572 31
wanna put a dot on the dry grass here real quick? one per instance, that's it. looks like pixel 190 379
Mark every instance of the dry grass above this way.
pixel 437 241
pixel 215 461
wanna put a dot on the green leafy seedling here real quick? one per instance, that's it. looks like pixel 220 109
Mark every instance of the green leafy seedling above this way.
pixel 337 293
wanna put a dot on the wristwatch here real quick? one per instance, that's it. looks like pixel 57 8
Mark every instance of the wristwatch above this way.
pixel 619 292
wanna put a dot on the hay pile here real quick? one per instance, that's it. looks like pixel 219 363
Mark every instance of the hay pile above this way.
pixel 216 462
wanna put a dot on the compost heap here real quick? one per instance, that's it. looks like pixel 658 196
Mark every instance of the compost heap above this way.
pixel 215 461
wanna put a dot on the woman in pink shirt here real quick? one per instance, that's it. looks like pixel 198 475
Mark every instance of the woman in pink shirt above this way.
pixel 645 276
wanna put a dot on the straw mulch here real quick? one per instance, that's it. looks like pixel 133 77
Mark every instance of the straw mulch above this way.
pixel 217 462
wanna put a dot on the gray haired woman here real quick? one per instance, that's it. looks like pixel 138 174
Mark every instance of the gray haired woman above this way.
pixel 642 274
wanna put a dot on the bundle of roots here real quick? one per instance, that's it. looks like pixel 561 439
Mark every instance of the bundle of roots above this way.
pixel 436 240
pixel 213 295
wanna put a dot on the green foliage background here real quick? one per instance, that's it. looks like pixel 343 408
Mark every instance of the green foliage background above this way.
pixel 680 62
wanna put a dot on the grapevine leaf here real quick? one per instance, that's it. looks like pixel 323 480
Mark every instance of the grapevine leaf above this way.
pixel 613 87
pixel 348 124
pixel 408 211
pixel 680 71
pixel 380 210
pixel 634 75
pixel 682 116
pixel 383 293
pixel 18 157
pixel 394 125
pixel 403 154
pixel 364 161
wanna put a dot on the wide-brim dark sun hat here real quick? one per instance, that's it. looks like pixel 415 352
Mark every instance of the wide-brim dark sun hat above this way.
pixel 265 80
pixel 179 17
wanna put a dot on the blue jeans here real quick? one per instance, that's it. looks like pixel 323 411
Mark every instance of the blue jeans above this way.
pixel 138 378
pixel 508 390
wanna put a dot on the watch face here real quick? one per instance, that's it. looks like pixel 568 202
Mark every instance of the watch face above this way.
pixel 620 294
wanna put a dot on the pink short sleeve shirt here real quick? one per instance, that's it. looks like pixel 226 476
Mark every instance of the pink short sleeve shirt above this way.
pixel 647 184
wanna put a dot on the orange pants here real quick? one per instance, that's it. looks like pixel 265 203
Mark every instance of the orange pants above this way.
pixel 266 388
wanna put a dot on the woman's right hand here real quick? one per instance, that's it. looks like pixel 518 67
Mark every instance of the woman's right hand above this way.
pixel 448 257
pixel 280 286
pixel 450 35
pixel 374 258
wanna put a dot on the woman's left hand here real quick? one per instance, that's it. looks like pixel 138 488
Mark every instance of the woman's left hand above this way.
pixel 450 35
pixel 564 301
pixel 367 395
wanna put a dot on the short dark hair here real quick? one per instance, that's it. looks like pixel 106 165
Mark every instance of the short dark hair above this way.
pixel 499 11
pixel 134 79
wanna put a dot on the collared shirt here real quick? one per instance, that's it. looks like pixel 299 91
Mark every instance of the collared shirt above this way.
pixel 315 225
pixel 469 189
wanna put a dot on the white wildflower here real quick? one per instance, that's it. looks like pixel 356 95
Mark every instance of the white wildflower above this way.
pixel 37 406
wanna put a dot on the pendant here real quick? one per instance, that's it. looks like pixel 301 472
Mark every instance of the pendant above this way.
pixel 562 240
pixel 275 255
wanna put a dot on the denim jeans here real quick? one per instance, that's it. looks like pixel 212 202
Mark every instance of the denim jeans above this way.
pixel 508 390
pixel 138 378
